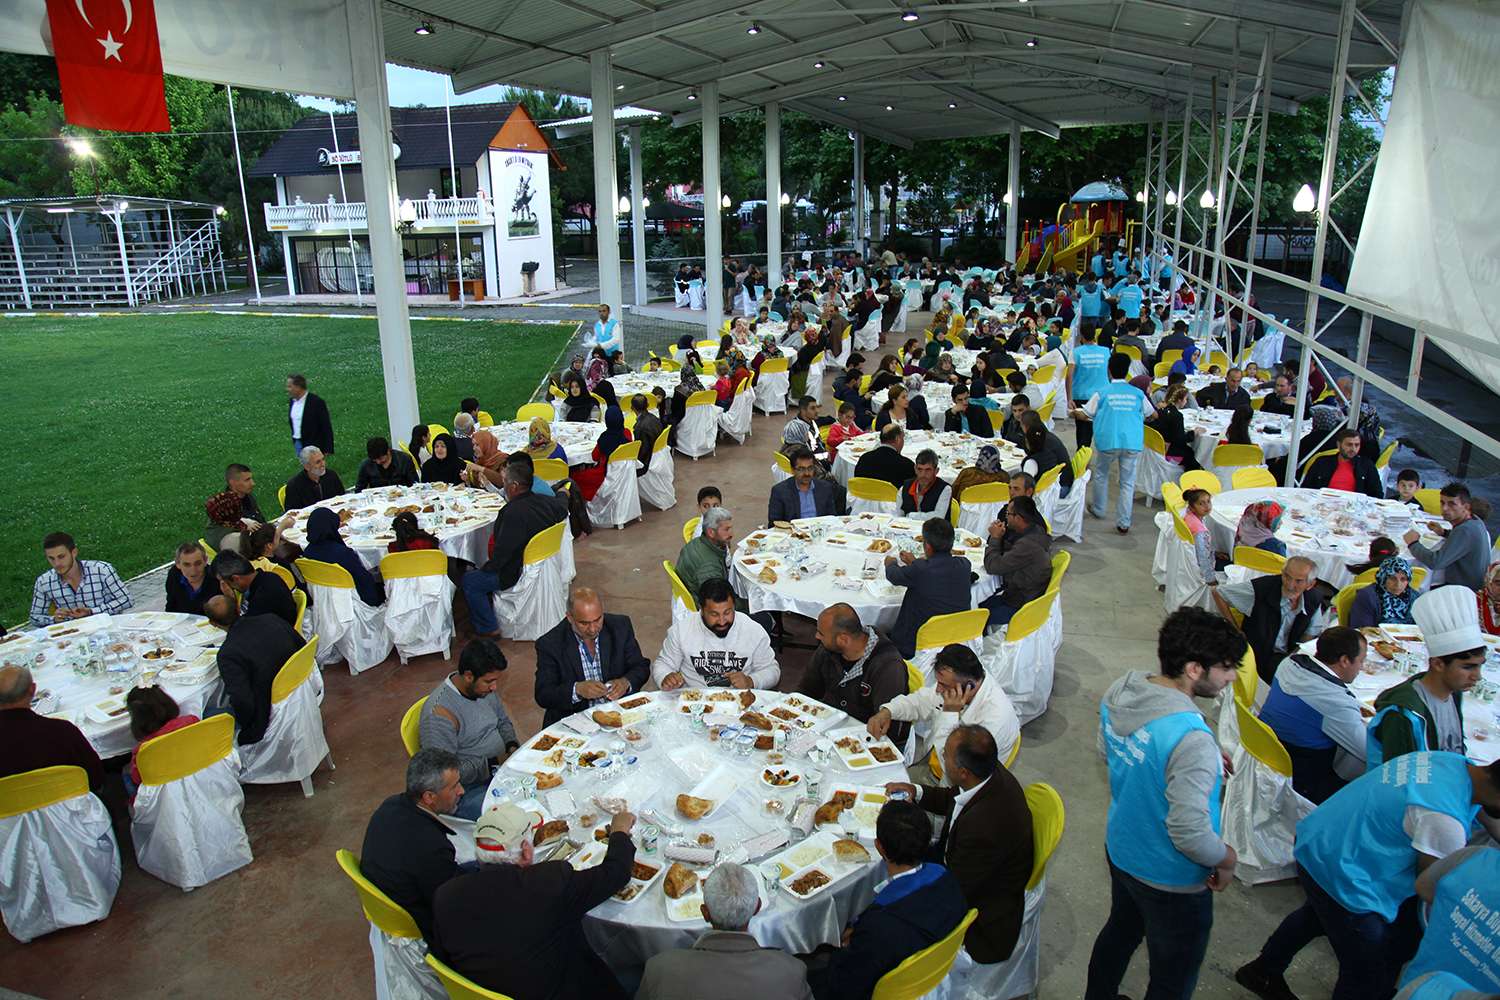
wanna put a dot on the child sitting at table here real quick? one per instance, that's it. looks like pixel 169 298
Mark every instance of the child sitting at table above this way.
pixel 1408 481
pixel 409 535
pixel 1200 503
pixel 153 713
pixel 841 431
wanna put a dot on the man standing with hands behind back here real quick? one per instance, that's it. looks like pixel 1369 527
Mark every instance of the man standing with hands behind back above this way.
pixel 308 415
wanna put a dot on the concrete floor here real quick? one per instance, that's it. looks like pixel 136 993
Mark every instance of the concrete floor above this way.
pixel 290 925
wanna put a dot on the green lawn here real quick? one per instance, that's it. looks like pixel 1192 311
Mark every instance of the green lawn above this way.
pixel 120 426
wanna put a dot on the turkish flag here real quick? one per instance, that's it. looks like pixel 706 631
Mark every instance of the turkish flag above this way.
pixel 109 64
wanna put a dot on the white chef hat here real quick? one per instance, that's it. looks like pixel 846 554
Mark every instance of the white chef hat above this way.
pixel 1449 620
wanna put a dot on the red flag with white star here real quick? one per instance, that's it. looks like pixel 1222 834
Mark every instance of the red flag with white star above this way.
pixel 109 64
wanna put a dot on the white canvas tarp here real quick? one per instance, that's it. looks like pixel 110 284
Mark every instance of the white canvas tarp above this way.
pixel 1430 243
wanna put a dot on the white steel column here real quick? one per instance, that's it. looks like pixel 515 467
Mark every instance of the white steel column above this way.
pixel 859 193
pixel 1260 160
pixel 377 169
pixel 1013 183
pixel 606 187
pixel 11 222
pixel 773 194
pixel 1182 257
pixel 713 212
pixel 1146 270
pixel 239 166
pixel 1224 198
pixel 1161 191
pixel 638 219
pixel 119 219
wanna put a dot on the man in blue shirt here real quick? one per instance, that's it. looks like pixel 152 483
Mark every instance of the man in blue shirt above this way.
pixel 1129 297
pixel 1087 375
pixel 1119 411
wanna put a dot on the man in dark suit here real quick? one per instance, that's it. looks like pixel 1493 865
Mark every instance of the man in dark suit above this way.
pixel 254 651
pixel 315 482
pixel 919 906
pixel 986 841
pixel 1284 400
pixel 259 591
pixel 886 462
pixel 308 416
pixel 793 498
pixel 588 658
pixel 1348 470
pixel 519 521
pixel 1225 395
pixel 968 419
pixel 936 584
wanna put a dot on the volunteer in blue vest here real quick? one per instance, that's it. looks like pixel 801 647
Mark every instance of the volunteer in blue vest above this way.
pixel 1119 411
pixel 1096 264
pixel 1090 301
pixel 1443 986
pixel 1315 715
pixel 1129 298
pixel 1463 888
pixel 1162 838
pixel 608 333
pixel 1121 262
pixel 1358 858
pixel 1087 375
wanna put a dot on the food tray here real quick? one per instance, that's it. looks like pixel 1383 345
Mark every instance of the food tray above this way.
pixel 862 759
pixel 719 784
pixel 687 909
pixel 814 854
pixel 814 714
pixel 641 885
pixel 77 627
pixel 109 712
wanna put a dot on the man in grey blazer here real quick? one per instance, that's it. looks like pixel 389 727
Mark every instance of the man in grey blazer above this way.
pixel 727 963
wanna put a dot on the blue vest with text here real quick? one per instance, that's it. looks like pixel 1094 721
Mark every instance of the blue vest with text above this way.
pixel 1136 837
pixel 1090 301
pixel 1117 421
pixel 1119 263
pixel 1354 844
pixel 1465 921
pixel 1097 265
pixel 1130 301
pixel 1090 371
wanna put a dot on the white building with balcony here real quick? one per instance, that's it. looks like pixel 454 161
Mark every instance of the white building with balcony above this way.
pixel 485 220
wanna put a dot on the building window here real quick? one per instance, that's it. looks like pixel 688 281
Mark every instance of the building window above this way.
pixel 326 265
pixel 445 177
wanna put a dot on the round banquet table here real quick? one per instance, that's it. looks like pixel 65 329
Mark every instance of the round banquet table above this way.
pixel 830 546
pixel 1333 528
pixel 96 703
pixel 1271 432
pixel 577 437
pixel 955 451
pixel 461 517
pixel 1481 706
pixel 679 757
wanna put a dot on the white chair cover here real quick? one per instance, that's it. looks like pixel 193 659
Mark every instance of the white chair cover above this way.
pixel 1016 976
pixel 419 615
pixel 348 628
pixel 679 297
pixel 1260 817
pixel 735 421
pixel 1024 668
pixel 401 969
pixel 845 349
pixel 658 486
pixel 867 337
pixel 566 566
pixel 1046 500
pixel 778 474
pixel 1184 585
pixel 898 325
pixel 1266 352
pixel 976 518
pixel 293 745
pixel 697 298
pixel 859 505
pixel 536 603
pixel 815 380
pixel 60 865
pixel 698 432
pixel 770 391
pixel 1153 471
pixel 1067 513
pixel 618 501
pixel 924 658
pixel 1166 537
pixel 189 832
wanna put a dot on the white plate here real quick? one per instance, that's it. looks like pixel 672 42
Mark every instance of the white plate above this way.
pixel 717 787
pixel 686 910
pixel 109 712
pixel 862 759
pixel 787 882
pixel 642 885
pixel 589 855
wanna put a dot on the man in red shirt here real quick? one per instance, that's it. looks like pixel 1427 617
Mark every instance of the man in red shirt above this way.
pixel 1348 470
pixel 29 741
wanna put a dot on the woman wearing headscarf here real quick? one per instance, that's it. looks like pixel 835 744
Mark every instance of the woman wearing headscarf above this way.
pixel 578 404
pixel 326 545
pixel 590 478
pixel 575 368
pixel 598 369
pixel 930 356
pixel 944 371
pixel 487 451
pixel 986 469
pixel 1188 363
pixel 539 443
pixel 768 350
pixel 1388 599
pixel 445 465
pixel 1257 527
pixel 1045 451
pixel 1489 600
pixel 687 384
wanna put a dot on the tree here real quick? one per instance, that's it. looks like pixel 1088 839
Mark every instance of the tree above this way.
pixel 33 164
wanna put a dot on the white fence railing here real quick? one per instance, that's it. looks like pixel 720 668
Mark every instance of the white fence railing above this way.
pixel 335 216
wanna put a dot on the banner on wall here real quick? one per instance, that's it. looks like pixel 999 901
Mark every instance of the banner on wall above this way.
pixel 519 193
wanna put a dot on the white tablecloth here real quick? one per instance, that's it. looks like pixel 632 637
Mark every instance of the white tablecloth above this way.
pixel 85 700
pixel 577 437
pixel 368 530
pixel 874 600
pixel 1331 527
pixel 677 758
pixel 955 451
pixel 1272 432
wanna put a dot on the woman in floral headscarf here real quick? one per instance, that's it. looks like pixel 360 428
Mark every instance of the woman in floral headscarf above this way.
pixel 539 443
pixel 986 469
pixel 1257 527
pixel 1388 599
pixel 1489 600
pixel 598 369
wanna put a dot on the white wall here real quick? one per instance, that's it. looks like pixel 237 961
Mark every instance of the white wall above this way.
pixel 509 253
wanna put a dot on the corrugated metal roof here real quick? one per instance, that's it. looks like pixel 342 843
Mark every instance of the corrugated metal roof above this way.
pixel 1093 60
pixel 421 133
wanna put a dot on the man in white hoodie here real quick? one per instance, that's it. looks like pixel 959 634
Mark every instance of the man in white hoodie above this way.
pixel 1162 840
pixel 716 647
pixel 961 693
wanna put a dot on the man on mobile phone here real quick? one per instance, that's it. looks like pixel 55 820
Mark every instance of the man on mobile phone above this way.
pixel 961 695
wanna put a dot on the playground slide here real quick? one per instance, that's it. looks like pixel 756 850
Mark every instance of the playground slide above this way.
pixel 1067 257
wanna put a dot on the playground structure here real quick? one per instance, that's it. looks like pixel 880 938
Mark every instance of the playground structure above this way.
pixel 1084 224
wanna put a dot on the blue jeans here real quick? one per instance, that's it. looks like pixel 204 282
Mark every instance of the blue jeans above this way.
pixel 1000 612
pixel 477 587
pixel 1275 545
pixel 472 803
pixel 1175 925
pixel 1099 486
pixel 297 450
pixel 1370 951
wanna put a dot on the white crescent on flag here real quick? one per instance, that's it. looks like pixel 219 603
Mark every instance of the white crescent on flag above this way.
pixel 129 15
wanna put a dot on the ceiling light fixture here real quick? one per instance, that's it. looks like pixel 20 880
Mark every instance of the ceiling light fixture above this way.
pixel 843 98
pixel 1207 201
pixel 818 65
pixel 1031 44
pixel 952 105
pixel 909 15
pixel 619 86
pixel 1171 197
pixel 754 29
pixel 692 96
pixel 890 107
pixel 425 28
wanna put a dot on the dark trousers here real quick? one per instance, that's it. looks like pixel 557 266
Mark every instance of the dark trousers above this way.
pixel 1084 429
pixel 1000 612
pixel 1175 926
pixel 1370 951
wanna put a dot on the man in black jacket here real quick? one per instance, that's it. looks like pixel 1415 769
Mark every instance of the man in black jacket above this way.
pixel 385 467
pixel 1177 340
pixel 254 651
pixel 1284 400
pixel 308 416
pixel 407 853
pixel 787 496
pixel 968 419
pixel 588 658
pixel 919 906
pixel 886 462
pixel 1225 395
pixel 524 516
pixel 189 581
pixel 314 483
pixel 1279 612
pixel 1348 470
pixel 258 591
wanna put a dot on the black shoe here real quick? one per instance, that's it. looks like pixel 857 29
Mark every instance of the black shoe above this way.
pixel 1263 982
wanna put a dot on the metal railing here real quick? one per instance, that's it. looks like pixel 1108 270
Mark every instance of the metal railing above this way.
pixel 343 215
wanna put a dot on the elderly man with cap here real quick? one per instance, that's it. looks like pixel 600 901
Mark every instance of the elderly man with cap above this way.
pixel 536 950
pixel 1425 712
